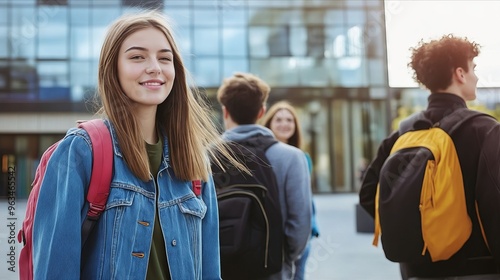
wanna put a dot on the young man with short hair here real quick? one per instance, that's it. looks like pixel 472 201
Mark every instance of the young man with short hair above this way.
pixel 446 68
pixel 243 97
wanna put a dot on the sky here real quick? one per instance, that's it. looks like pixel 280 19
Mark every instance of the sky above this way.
pixel 407 22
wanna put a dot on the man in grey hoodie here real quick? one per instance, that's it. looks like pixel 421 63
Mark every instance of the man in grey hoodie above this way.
pixel 243 97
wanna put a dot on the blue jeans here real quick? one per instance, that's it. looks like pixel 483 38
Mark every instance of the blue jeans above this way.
pixel 300 264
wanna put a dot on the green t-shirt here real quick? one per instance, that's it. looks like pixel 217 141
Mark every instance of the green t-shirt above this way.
pixel 158 265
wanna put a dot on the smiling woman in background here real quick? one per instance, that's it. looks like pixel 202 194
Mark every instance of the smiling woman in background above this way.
pixel 282 119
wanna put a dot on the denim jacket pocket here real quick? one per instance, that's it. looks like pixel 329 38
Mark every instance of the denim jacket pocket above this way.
pixel 193 206
pixel 119 196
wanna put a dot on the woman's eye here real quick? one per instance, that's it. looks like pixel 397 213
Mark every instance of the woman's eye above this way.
pixel 136 57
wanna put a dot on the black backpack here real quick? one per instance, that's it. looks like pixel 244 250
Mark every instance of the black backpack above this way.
pixel 421 205
pixel 250 222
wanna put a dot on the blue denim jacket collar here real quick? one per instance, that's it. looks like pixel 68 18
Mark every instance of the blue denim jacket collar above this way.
pixel 118 152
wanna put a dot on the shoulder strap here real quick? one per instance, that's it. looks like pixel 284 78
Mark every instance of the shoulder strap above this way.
pixel 449 123
pixel 454 120
pixel 410 122
pixel 102 171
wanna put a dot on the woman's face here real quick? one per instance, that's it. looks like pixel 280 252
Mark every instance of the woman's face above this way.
pixel 283 125
pixel 146 68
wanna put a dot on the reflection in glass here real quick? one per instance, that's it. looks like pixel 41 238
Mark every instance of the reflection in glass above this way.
pixel 22 33
pixel 81 82
pixel 53 80
pixel 52 32
pixel 234 42
pixel 230 66
pixel 207 41
pixel 207 71
pixel 258 41
pixel 278 71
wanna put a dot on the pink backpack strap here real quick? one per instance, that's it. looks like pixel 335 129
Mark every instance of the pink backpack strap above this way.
pixel 102 171
pixel 196 187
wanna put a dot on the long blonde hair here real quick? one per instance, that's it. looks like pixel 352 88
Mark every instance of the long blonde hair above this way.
pixel 192 136
pixel 296 138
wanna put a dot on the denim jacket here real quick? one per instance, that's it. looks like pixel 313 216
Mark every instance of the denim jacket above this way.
pixel 119 246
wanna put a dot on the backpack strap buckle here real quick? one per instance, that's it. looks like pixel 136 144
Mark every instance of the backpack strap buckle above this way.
pixel 95 211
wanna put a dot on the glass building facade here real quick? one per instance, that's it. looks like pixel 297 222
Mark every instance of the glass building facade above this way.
pixel 327 57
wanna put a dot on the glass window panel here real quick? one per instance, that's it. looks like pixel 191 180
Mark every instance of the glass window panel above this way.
pixel 316 41
pixel 215 3
pixel 234 42
pixel 207 72
pixel 312 72
pixel 298 41
pixel 355 43
pixel 53 80
pixel 314 17
pixel 53 2
pixel 377 70
pixel 93 70
pixel 355 4
pixel 233 16
pixel 335 42
pixel 277 71
pixel 97 35
pixel 258 41
pixel 279 41
pixel 333 71
pixel 274 16
pixel 143 4
pixel 177 3
pixel 374 4
pixel 104 16
pixel 3 41
pixel 335 17
pixel 355 16
pixel 80 3
pixel 206 17
pixel 23 32
pixel 106 2
pixel 80 16
pixel 180 16
pixel 81 81
pixel 183 40
pixel 80 40
pixel 234 65
pixel 4 19
pixel 25 2
pixel 206 41
pixel 52 32
pixel 352 72
pixel 4 77
pixel 324 3
pixel 22 79
pixel 274 3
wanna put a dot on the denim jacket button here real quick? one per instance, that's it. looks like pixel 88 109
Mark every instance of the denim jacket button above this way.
pixel 174 242
pixel 146 224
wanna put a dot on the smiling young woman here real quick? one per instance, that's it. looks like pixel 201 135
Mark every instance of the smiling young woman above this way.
pixel 154 226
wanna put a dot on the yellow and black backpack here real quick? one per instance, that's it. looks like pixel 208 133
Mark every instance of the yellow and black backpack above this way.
pixel 420 208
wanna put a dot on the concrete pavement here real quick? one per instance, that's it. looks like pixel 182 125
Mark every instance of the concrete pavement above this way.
pixel 340 253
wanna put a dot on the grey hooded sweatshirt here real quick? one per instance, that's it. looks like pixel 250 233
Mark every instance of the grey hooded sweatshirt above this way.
pixel 294 183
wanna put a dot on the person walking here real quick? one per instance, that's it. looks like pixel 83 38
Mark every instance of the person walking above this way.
pixel 243 97
pixel 282 119
pixel 154 225
pixel 446 67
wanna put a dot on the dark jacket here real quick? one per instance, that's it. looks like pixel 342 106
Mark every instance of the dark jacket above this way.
pixel 478 148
